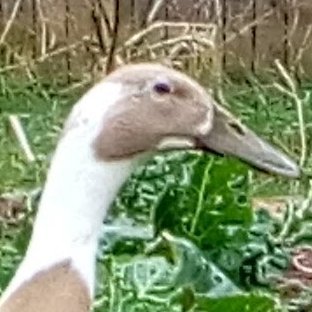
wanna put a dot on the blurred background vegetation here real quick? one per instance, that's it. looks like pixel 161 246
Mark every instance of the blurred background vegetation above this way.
pixel 188 232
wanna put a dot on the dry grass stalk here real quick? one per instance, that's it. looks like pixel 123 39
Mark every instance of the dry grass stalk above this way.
pixel 10 21
pixel 248 26
pixel 113 43
pixel 102 23
pixel 240 17
pixel 43 58
pixel 294 49
pixel 43 28
pixel 103 12
pixel 203 41
pixel 292 92
pixel 21 137
pixel 194 37
pixel 181 26
pixel 306 42
pixel 296 54
pixel 154 10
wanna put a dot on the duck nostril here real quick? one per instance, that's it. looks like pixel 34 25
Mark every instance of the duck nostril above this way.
pixel 237 128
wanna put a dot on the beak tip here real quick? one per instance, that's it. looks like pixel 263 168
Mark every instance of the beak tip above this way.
pixel 291 170
pixel 295 172
pixel 276 161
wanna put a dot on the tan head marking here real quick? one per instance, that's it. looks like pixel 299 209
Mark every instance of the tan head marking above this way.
pixel 157 107
pixel 157 103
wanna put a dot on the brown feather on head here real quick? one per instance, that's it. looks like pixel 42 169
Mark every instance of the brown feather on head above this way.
pixel 161 104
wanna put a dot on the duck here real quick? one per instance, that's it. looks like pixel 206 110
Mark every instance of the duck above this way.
pixel 135 111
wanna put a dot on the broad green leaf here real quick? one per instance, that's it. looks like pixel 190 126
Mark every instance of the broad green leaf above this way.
pixel 239 303
pixel 172 266
pixel 192 268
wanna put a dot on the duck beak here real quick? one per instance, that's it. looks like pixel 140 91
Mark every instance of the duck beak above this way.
pixel 229 137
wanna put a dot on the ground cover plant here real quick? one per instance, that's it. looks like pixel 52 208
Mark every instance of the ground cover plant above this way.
pixel 182 235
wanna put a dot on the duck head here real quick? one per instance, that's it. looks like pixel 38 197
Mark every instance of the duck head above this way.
pixel 162 109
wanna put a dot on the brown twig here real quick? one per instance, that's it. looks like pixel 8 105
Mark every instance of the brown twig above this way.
pixel 133 40
pixel 248 26
pixel 51 54
pixel 154 10
pixel 292 93
pixel 10 21
pixel 112 48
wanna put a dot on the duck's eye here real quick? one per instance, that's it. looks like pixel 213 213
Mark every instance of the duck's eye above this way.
pixel 162 87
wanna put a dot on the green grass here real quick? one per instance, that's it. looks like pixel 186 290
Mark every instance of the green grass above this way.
pixel 201 250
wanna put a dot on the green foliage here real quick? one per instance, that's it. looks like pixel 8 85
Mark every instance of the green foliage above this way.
pixel 210 195
pixel 181 235
pixel 41 112
pixel 208 243
pixel 241 303
pixel 14 241
pixel 189 283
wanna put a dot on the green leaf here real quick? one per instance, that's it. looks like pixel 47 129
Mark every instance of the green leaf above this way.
pixel 239 303
pixel 198 196
pixel 191 267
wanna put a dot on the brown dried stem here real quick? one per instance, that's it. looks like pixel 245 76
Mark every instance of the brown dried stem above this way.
pixel 292 92
pixel 10 21
pixel 112 48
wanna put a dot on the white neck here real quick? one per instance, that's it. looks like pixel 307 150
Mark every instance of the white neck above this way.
pixel 76 197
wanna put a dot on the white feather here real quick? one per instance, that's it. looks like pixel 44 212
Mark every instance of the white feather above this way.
pixel 77 194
